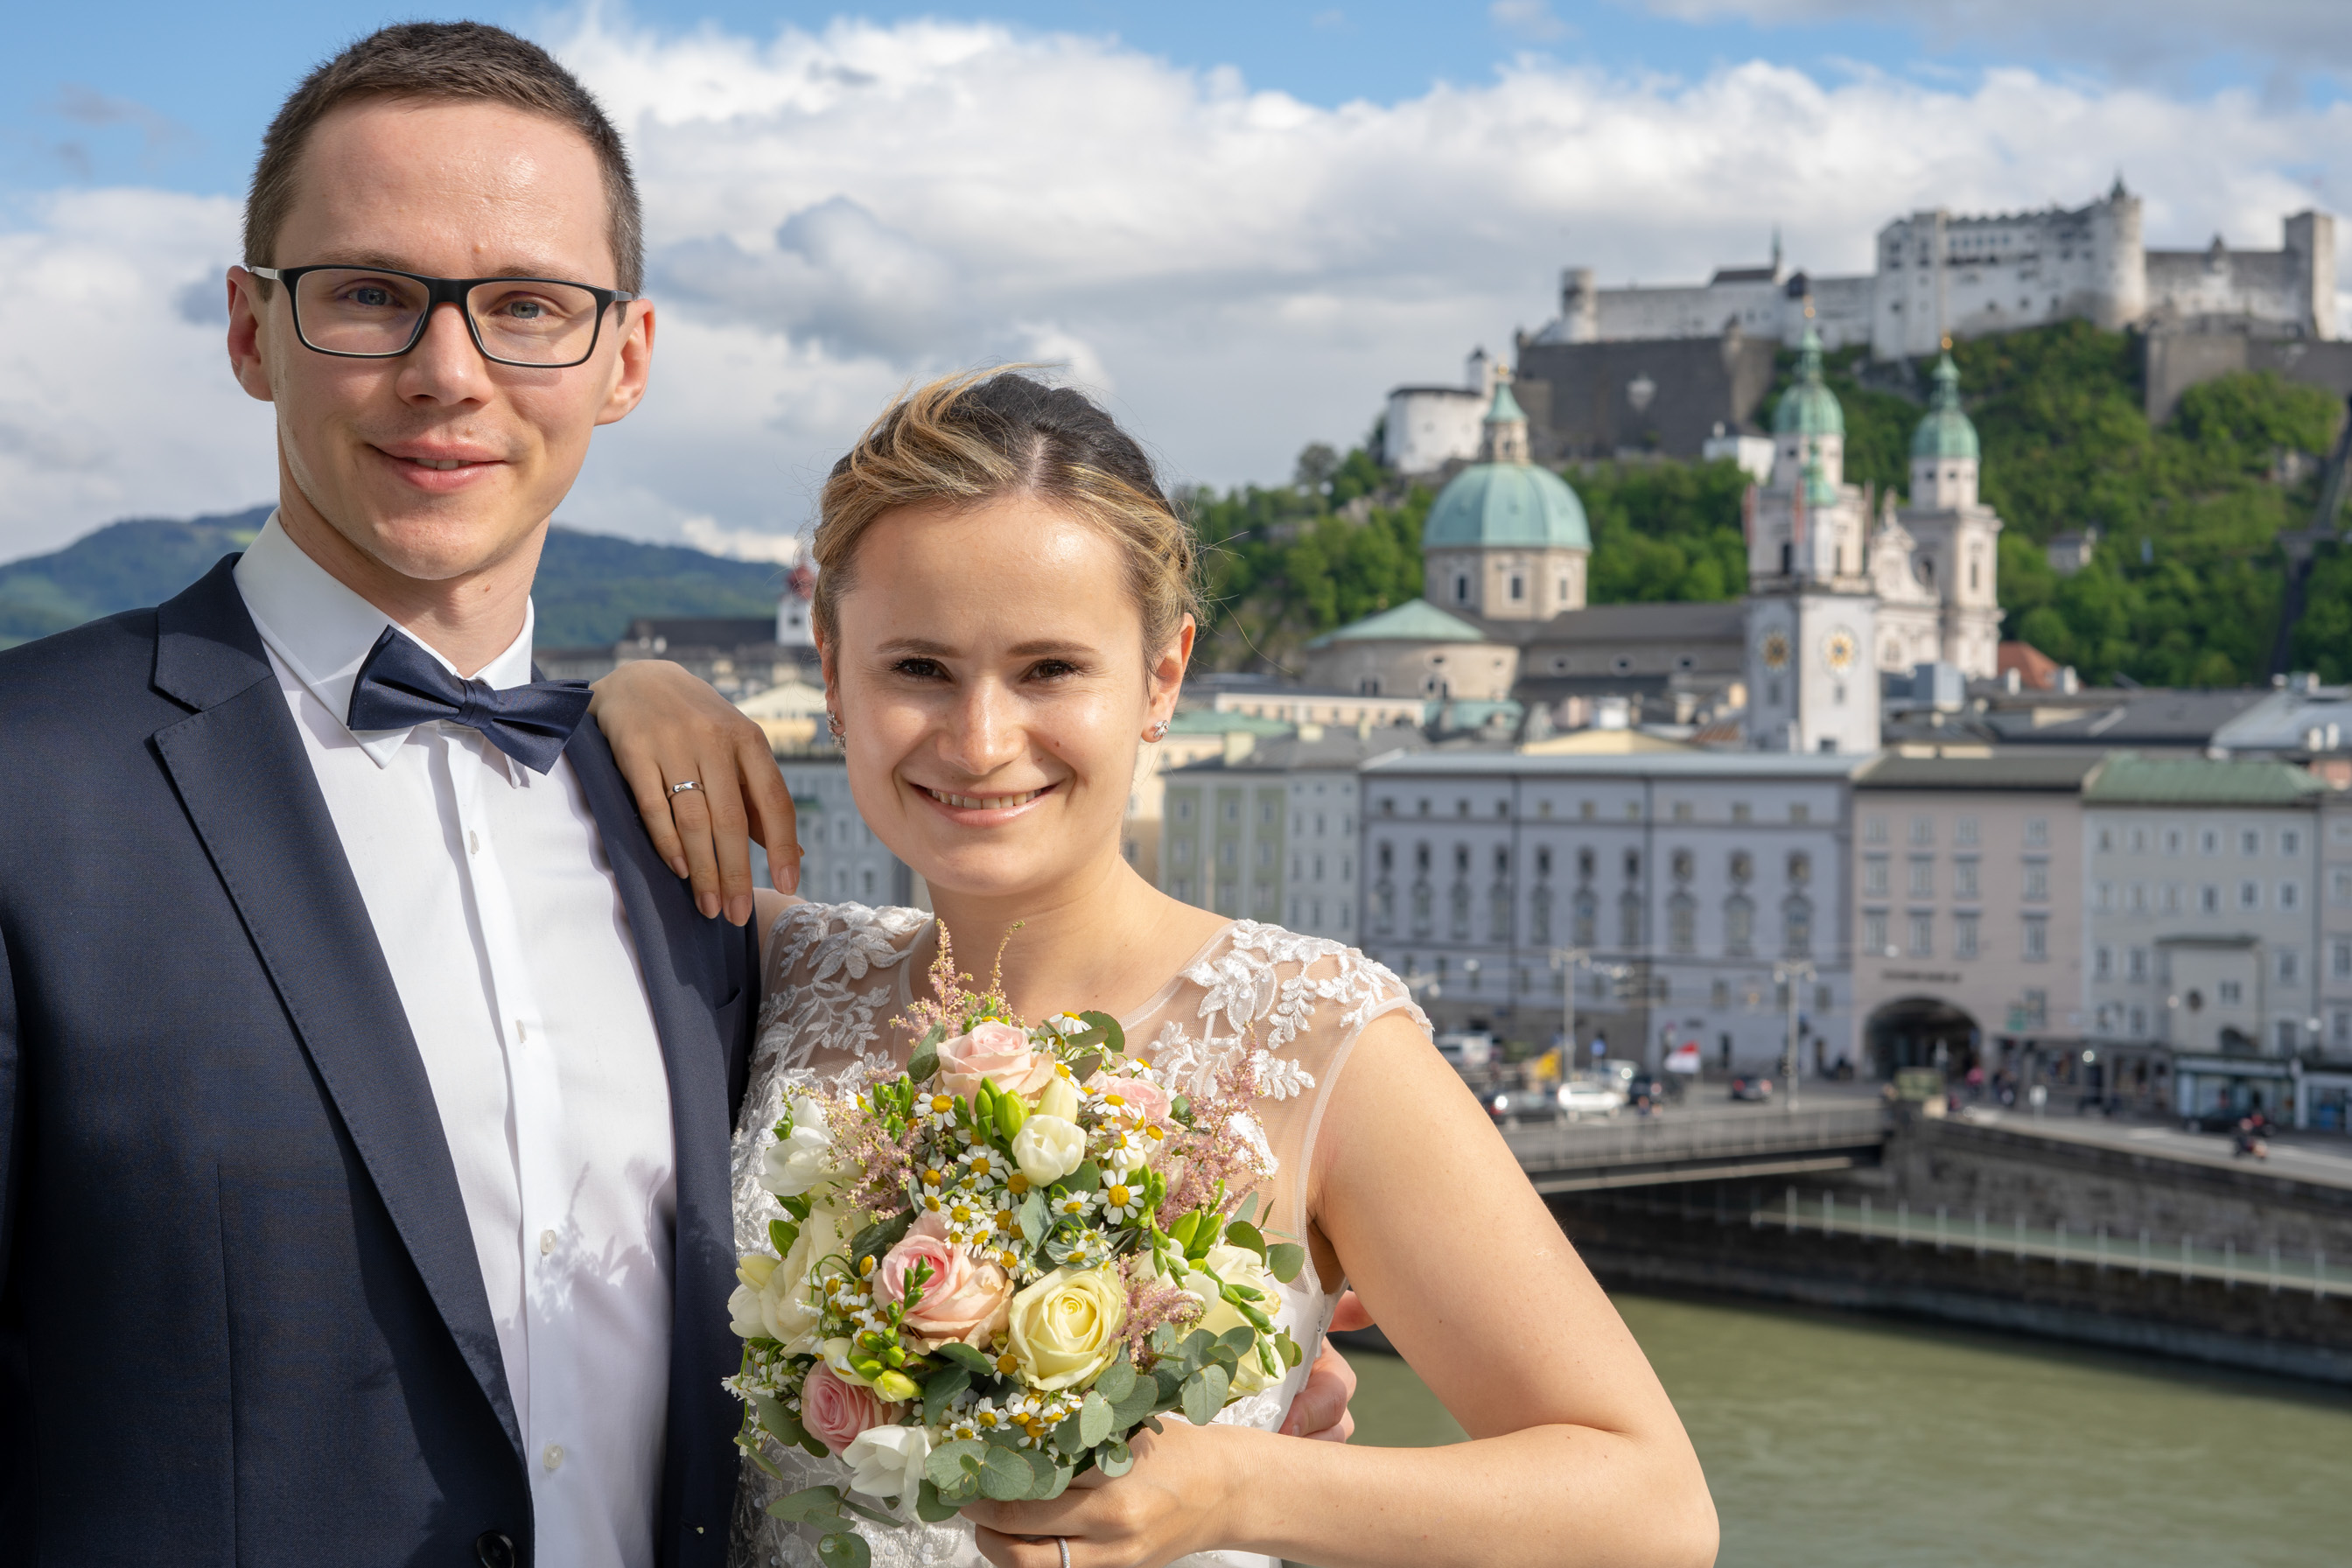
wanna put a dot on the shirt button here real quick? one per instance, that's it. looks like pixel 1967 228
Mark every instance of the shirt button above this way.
pixel 473 841
pixel 521 1033
pixel 546 1243
pixel 554 1458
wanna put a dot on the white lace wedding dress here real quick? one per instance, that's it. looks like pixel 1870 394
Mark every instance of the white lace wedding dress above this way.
pixel 838 975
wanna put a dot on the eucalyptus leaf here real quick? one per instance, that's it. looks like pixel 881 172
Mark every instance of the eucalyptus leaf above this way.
pixel 1113 1038
pixel 1204 1394
pixel 1238 1340
pixel 778 1422
pixel 1086 1178
pixel 1141 1400
pixel 1284 1259
pixel 1247 1212
pixel 1195 1349
pixel 1094 1418
pixel 965 1356
pixel 1005 1475
pixel 845 1548
pixel 808 1505
pixel 1117 1380
pixel 931 1508
pixel 1291 1354
pixel 1115 1459
pixel 1241 1233
pixel 1058 1483
pixel 879 1237
pixel 926 1060
pixel 1085 1067
pixel 877 1515
pixel 1044 1479
pixel 1033 1216
pixel 945 1468
pixel 940 1388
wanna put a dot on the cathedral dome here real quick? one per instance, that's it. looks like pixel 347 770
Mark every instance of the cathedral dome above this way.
pixel 1506 505
pixel 1945 432
pixel 1809 408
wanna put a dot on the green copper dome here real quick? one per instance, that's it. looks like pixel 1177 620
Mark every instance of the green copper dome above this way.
pixel 1945 432
pixel 1506 505
pixel 1809 408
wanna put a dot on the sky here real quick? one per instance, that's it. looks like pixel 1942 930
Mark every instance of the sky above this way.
pixel 1239 224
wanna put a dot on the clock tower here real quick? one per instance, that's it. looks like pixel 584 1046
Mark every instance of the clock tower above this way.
pixel 1811 612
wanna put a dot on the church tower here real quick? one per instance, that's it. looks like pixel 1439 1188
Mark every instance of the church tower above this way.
pixel 1955 538
pixel 1810 612
pixel 1505 539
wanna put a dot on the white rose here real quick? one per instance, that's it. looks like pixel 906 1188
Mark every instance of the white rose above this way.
pixel 802 1161
pixel 777 1300
pixel 1048 1148
pixel 888 1461
pixel 1237 1266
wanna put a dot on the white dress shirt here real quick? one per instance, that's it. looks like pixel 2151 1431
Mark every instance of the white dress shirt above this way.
pixel 496 907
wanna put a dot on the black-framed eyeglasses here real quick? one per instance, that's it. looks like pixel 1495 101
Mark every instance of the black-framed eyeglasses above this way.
pixel 375 312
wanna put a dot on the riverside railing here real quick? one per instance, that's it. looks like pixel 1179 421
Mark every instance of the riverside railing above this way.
pixel 1667 1139
pixel 1988 1235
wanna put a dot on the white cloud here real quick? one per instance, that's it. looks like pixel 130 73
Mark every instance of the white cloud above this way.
pixel 833 214
pixel 738 543
pixel 1529 19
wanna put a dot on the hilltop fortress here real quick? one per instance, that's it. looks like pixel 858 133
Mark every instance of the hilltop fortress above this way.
pixel 1682 370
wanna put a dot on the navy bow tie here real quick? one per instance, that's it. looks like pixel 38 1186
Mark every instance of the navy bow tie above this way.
pixel 402 686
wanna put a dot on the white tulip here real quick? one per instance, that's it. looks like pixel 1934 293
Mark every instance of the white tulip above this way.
pixel 1048 1148
pixel 1060 1098
pixel 888 1461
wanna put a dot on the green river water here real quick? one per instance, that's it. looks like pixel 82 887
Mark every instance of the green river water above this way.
pixel 1845 1442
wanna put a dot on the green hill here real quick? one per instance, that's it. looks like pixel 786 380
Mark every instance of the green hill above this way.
pixel 590 585
pixel 2184 590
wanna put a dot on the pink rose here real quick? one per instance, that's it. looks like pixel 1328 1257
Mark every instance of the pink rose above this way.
pixel 997 1052
pixel 965 1298
pixel 1142 1094
pixel 835 1410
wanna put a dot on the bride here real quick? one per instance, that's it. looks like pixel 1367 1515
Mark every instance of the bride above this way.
pixel 1004 613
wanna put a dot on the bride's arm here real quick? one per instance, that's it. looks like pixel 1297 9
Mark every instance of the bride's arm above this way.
pixel 1576 1456
pixel 665 727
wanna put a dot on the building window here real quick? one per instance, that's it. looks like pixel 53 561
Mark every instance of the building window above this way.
pixel 1584 864
pixel 2037 1008
pixel 1718 995
pixel 2139 1021
pixel 1964 936
pixel 2102 963
pixel 2037 939
pixel 1963 878
pixel 2250 841
pixel 1738 926
pixel 1740 811
pixel 1182 854
pixel 1874 830
pixel 1800 812
pixel 2339 960
pixel 2286 1033
pixel 1422 897
pixel 2290 964
pixel 1682 810
pixel 1923 830
pixel 1629 920
pixel 1461 589
pixel 2037 833
pixel 1229 855
pixel 1518 586
pixel 1681 866
pixel 1682 923
pixel 1873 875
pixel 1461 904
pixel 1539 915
pixel 1797 927
pixel 1923 936
pixel 2037 881
pixel 1963 831
pixel 2230 992
pixel 2209 900
pixel 1588 919
pixel 2339 1027
pixel 1184 808
pixel 1923 876
pixel 2339 888
pixel 2250 895
pixel 2137 959
pixel 1874 934
pixel 2106 840
pixel 1498 914
pixel 2173 840
pixel 2139 840
pixel 2290 895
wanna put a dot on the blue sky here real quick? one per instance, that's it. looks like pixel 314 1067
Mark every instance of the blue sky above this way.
pixel 1239 225
pixel 167 95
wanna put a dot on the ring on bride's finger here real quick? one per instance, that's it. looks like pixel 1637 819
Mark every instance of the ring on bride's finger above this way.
pixel 683 785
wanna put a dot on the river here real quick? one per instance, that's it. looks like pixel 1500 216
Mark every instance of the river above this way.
pixel 1833 1441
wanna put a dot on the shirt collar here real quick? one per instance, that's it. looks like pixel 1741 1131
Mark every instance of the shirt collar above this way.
pixel 322 631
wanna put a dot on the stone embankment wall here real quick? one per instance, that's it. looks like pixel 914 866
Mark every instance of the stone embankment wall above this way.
pixel 1736 1238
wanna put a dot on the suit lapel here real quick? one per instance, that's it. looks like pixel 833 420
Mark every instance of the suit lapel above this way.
pixel 248 788
pixel 696 973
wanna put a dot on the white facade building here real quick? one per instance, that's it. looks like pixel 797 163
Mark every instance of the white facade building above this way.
pixel 1688 873
pixel 1426 428
pixel 1940 276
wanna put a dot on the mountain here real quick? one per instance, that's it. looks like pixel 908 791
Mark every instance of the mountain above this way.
pixel 590 585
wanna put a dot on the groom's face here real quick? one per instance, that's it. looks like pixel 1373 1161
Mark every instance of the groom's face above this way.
pixel 439 464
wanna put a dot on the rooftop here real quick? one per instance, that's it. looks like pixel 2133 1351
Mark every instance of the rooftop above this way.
pixel 1416 620
pixel 2130 779
pixel 1779 766
pixel 1210 721
pixel 1333 750
pixel 2036 770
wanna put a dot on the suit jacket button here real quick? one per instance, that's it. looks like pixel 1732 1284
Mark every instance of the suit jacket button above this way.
pixel 495 1549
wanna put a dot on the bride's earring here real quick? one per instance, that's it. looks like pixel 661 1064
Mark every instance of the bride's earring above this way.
pixel 1158 731
pixel 833 724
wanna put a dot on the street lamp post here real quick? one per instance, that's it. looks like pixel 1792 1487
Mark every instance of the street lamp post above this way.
pixel 1788 975
pixel 1568 958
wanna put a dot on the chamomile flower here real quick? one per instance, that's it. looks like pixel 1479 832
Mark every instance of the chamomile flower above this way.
pixel 1116 1107
pixel 938 1110
pixel 1125 1148
pixel 1122 1203
pixel 1076 1205
pixel 986 1167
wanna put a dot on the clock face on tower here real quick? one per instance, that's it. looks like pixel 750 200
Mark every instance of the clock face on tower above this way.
pixel 1838 649
pixel 1774 650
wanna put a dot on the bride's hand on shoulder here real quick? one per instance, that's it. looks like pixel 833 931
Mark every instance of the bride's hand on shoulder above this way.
pixel 1179 1498
pixel 667 728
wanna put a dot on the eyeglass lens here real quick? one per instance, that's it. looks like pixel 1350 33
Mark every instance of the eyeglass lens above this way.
pixel 354 310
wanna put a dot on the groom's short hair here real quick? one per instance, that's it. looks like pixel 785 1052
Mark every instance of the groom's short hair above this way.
pixel 430 62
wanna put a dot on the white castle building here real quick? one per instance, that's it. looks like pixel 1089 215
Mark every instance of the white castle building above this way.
pixel 1940 276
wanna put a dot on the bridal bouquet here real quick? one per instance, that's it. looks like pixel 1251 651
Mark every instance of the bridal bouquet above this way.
pixel 988 1271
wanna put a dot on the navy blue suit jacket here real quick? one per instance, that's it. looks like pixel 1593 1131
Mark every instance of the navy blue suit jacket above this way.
pixel 241 1317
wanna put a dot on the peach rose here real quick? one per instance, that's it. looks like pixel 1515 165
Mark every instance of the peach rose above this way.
pixel 999 1053
pixel 835 1410
pixel 965 1299
pixel 1145 1096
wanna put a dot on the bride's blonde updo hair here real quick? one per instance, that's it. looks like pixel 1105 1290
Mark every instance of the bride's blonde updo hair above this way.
pixel 974 436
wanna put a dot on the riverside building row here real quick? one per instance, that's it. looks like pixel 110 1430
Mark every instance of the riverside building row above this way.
pixel 2173 933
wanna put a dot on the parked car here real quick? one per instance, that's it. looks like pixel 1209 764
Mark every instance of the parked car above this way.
pixel 1581 1096
pixel 1660 1086
pixel 1519 1105
pixel 1753 1089
pixel 1466 1051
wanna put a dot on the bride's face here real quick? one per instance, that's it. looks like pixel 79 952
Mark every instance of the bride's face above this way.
pixel 988 667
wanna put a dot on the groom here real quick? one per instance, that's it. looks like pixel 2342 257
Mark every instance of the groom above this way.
pixel 367 1079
